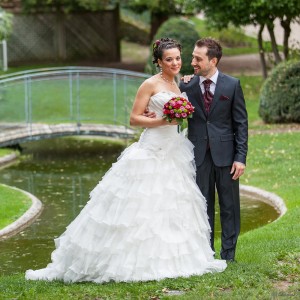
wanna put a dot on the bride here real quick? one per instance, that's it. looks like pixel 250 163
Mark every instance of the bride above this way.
pixel 146 219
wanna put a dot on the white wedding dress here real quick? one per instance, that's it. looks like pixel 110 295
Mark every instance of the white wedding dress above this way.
pixel 145 220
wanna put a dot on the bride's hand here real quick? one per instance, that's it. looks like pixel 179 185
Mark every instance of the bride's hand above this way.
pixel 174 122
pixel 149 114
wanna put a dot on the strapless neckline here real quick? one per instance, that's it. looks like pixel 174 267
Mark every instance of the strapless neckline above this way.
pixel 166 92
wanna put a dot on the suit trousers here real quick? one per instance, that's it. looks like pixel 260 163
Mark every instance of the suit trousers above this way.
pixel 210 178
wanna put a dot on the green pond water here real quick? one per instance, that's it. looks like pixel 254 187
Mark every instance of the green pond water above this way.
pixel 61 173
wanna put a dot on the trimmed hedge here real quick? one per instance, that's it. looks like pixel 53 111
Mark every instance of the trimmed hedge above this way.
pixel 280 94
pixel 184 32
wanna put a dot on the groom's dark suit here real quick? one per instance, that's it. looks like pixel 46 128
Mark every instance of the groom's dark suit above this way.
pixel 220 138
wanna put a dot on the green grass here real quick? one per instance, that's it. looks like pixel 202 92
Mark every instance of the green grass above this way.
pixel 251 87
pixel 96 101
pixel 4 152
pixel 134 53
pixel 13 204
pixel 268 257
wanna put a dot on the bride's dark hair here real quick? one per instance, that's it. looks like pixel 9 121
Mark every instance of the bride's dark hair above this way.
pixel 162 44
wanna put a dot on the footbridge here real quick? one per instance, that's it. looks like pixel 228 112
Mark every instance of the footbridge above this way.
pixel 46 103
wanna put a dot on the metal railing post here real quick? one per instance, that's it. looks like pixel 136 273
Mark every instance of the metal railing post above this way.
pixel 115 96
pixel 71 95
pixel 126 119
pixel 72 109
pixel 26 99
pixel 78 99
pixel 28 103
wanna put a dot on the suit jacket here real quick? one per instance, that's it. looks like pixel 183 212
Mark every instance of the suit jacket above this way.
pixel 225 127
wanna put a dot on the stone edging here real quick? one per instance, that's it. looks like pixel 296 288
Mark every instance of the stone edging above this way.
pixel 262 195
pixel 7 159
pixel 34 211
pixel 26 219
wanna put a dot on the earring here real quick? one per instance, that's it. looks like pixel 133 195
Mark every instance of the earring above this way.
pixel 160 70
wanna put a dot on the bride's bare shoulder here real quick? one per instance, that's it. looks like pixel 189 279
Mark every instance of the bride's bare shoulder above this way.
pixel 152 81
pixel 150 84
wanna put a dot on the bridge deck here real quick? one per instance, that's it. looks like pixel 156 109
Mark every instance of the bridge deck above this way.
pixel 17 134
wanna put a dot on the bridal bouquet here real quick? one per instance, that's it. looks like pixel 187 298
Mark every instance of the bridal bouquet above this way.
pixel 178 108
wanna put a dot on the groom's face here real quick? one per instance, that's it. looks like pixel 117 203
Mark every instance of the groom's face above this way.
pixel 201 64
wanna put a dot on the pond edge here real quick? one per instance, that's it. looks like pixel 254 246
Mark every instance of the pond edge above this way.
pixel 270 198
pixel 26 219
pixel 36 208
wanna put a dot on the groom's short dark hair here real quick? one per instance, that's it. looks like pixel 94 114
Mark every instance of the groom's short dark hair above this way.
pixel 214 49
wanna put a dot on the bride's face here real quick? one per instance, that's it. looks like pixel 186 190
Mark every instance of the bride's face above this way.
pixel 171 62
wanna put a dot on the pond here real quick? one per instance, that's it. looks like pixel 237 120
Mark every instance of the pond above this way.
pixel 61 173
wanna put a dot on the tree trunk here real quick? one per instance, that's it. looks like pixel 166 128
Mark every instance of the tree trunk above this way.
pixel 277 57
pixel 156 20
pixel 262 51
pixel 116 17
pixel 286 25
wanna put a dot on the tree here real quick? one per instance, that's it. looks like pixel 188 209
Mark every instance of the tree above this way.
pixel 160 10
pixel 5 31
pixel 66 6
pixel 5 24
pixel 260 13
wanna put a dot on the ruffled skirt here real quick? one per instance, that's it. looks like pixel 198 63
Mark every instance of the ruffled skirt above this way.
pixel 145 220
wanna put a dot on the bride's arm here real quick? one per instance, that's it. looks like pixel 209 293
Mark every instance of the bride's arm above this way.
pixel 142 98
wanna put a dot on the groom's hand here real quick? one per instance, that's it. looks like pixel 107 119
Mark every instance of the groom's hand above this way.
pixel 237 170
pixel 187 78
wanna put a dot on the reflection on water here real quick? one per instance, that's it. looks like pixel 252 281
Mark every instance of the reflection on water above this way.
pixel 61 173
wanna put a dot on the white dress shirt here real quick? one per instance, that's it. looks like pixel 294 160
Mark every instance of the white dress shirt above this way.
pixel 212 87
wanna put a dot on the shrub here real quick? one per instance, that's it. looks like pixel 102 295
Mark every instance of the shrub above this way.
pixel 184 32
pixel 280 94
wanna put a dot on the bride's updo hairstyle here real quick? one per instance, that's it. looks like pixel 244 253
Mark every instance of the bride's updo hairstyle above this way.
pixel 159 46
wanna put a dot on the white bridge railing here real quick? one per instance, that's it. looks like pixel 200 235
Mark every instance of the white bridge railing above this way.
pixel 78 96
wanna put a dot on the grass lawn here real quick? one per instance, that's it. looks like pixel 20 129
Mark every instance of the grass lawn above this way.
pixel 268 258
pixel 95 102
pixel 13 204
pixel 5 151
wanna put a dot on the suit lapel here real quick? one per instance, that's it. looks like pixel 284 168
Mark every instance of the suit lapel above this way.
pixel 218 92
pixel 197 97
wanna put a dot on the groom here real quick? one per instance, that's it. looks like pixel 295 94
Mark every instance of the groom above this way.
pixel 219 132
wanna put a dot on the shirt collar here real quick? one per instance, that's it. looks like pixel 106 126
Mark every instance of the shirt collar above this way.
pixel 212 78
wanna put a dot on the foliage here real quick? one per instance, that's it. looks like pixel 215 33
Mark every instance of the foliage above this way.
pixel 240 12
pixel 66 6
pixel 5 24
pixel 161 6
pixel 134 27
pixel 160 10
pixel 131 33
pixel 177 28
pixel 280 95
pixel 261 13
